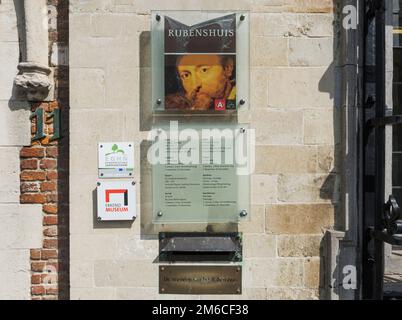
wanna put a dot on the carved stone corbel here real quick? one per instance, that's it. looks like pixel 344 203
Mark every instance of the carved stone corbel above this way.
pixel 35 76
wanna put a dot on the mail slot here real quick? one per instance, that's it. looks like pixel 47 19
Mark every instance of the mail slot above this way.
pixel 197 246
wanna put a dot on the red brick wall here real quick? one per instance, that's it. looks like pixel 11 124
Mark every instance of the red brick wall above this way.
pixel 44 178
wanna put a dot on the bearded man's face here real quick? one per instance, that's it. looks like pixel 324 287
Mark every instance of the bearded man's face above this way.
pixel 203 78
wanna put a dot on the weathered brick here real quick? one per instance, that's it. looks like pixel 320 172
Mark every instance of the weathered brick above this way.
pixel 29 164
pixel 48 254
pixel 50 232
pixel 48 164
pixel 36 290
pixel 38 266
pixel 52 152
pixel 48 186
pixel 50 220
pixel 29 187
pixel 51 198
pixel 51 175
pixel 32 198
pixel 28 152
pixel 36 279
pixel 35 254
pixel 32 175
pixel 50 208
pixel 50 243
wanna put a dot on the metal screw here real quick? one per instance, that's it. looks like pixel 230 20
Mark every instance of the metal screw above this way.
pixel 158 17
pixel 159 101
pixel 99 218
pixel 129 145
pixel 101 174
pixel 242 102
pixel 163 289
pixel 160 213
pixel 238 269
pixel 130 174
pixel 98 184
pixel 243 213
pixel 162 268
pixel 101 146
pixel 242 17
pixel 133 183
pixel 242 130
pixel 133 218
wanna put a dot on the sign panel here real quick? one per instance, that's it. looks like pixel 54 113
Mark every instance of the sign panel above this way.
pixel 200 280
pixel 198 59
pixel 200 178
pixel 116 200
pixel 116 159
pixel 200 64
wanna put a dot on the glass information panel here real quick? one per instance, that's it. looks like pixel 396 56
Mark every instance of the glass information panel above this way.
pixel 200 174
pixel 200 61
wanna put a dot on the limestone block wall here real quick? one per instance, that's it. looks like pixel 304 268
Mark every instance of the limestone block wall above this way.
pixel 293 110
pixel 20 226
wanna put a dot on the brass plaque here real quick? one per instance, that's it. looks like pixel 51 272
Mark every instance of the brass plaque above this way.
pixel 200 279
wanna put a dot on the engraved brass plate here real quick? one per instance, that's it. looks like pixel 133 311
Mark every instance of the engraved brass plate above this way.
pixel 200 279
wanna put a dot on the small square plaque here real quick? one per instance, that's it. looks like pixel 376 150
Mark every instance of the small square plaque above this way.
pixel 116 200
pixel 116 159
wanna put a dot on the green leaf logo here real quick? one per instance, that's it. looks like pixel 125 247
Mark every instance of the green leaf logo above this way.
pixel 115 149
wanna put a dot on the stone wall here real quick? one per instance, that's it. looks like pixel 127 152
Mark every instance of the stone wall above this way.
pixel 20 227
pixel 44 166
pixel 295 186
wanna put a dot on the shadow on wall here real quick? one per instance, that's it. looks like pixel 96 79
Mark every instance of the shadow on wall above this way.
pixel 341 179
pixel 330 188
